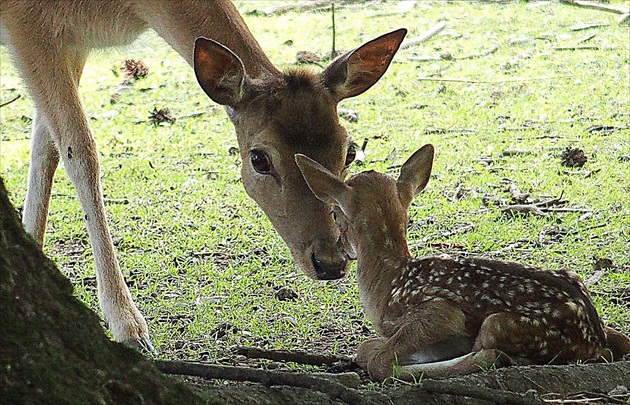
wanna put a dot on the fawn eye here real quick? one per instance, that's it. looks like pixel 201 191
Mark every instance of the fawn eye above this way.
pixel 334 216
pixel 260 161
pixel 351 154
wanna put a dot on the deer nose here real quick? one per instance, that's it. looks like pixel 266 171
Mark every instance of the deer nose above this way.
pixel 325 270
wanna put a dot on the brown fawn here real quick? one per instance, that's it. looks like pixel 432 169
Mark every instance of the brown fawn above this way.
pixel 275 114
pixel 442 316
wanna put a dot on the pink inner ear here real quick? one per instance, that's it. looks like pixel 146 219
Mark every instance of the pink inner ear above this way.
pixel 219 72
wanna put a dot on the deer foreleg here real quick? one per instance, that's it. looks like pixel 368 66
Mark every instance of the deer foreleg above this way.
pixel 52 74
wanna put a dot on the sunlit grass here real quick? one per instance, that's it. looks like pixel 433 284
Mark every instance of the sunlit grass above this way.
pixel 197 252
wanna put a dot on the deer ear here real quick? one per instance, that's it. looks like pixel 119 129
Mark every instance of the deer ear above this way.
pixel 414 174
pixel 353 73
pixel 219 71
pixel 326 186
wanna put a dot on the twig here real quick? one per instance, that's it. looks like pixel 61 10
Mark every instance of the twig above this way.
pixel 592 280
pixel 457 193
pixel 333 51
pixel 523 209
pixel 314 5
pixel 596 6
pixel 10 101
pixel 330 384
pixel 586 38
pixel 516 152
pixel 552 202
pixel 567 209
pixel 293 356
pixel 586 26
pixel 516 194
pixel 449 130
pixel 584 47
pixel 479 54
pixel 448 56
pixel 483 393
pixel 428 34
pixel 433 79
pixel 122 201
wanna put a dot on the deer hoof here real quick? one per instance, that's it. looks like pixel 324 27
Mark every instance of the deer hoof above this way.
pixel 367 350
pixel 143 345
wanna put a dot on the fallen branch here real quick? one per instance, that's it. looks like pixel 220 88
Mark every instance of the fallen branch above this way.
pixel 301 357
pixel 335 385
pixel 596 6
pixel 428 34
pixel 10 101
pixel 483 393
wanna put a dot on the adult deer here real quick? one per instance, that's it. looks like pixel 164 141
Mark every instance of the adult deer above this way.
pixel 275 115
pixel 442 316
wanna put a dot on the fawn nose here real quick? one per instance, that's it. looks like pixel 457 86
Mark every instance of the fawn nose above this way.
pixel 329 270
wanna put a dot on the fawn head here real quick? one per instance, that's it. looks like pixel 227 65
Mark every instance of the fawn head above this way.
pixel 277 115
pixel 370 206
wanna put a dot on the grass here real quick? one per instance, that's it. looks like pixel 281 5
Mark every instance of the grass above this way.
pixel 198 253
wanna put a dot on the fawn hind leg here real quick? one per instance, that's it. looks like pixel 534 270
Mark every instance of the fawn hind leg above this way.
pixel 525 340
pixel 434 330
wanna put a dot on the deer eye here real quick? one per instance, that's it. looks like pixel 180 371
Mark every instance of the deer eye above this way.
pixel 351 154
pixel 260 161
pixel 334 216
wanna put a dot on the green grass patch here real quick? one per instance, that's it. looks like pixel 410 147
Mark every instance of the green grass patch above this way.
pixel 198 253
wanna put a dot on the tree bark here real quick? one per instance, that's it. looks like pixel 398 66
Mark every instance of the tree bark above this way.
pixel 52 347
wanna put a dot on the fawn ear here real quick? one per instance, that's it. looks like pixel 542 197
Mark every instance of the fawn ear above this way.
pixel 219 71
pixel 356 71
pixel 326 186
pixel 414 174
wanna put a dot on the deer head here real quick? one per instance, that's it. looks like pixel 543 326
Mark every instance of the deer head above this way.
pixel 387 207
pixel 277 115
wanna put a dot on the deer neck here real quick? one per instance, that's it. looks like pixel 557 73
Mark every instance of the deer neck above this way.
pixel 382 255
pixel 226 26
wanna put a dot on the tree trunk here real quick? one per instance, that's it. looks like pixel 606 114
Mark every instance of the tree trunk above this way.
pixel 52 347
